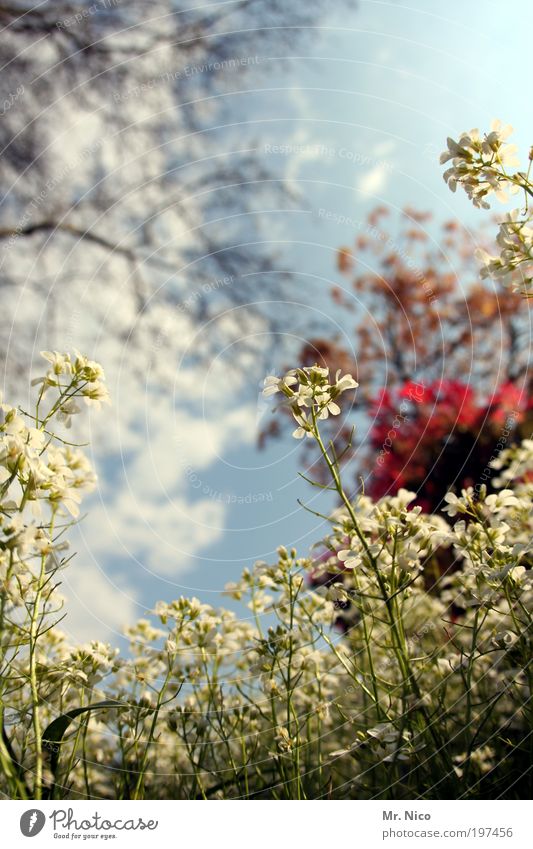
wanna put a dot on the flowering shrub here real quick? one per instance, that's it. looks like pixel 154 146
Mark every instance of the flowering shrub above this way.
pixel 434 438
pixel 481 165
pixel 411 702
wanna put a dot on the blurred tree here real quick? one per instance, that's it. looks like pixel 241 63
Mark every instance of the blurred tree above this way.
pixel 422 312
pixel 442 359
pixel 120 164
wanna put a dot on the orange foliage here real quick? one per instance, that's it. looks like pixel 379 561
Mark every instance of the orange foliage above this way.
pixel 423 312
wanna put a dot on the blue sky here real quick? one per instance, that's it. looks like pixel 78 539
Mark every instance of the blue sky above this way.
pixel 357 118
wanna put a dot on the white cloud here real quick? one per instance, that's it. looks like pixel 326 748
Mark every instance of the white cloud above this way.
pixel 97 606
pixel 156 506
pixel 373 181
pixel 159 537
pixel 385 148
pixel 169 443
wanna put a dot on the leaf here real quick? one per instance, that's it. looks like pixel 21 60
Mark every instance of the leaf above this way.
pixel 53 735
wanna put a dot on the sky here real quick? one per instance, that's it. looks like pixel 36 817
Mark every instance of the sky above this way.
pixel 358 118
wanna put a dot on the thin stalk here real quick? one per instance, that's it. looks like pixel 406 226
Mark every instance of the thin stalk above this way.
pixel 390 604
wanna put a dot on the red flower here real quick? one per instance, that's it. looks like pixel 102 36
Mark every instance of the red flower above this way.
pixel 438 437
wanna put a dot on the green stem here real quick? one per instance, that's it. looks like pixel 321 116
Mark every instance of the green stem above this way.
pixel 390 604
pixel 34 629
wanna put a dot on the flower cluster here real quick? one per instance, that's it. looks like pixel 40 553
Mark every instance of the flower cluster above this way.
pixel 480 165
pixel 72 377
pixel 515 466
pixel 34 469
pixel 514 264
pixel 479 162
pixel 309 389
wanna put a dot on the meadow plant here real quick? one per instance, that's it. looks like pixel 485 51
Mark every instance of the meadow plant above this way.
pixel 426 695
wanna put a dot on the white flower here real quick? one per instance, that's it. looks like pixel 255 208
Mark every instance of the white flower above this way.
pixel 304 427
pixel 60 362
pixel 309 387
pixel 513 266
pixel 96 394
pixel 67 410
pixel 344 383
pixel 351 559
pixel 61 494
pixel 327 406
pixel 505 639
pixel 86 369
pixel 478 163
pixel 394 745
pixel 454 506
pixel 275 384
pixel 518 573
pixel 501 500
pixel 402 499
pixel 483 758
pixel 284 740
pixel 84 377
